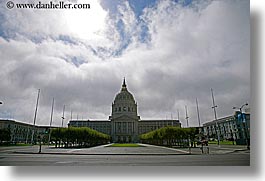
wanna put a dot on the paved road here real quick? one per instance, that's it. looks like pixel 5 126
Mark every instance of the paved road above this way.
pixel 125 160
pixel 104 156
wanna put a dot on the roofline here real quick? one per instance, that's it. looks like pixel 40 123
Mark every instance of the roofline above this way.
pixel 160 120
pixel 23 123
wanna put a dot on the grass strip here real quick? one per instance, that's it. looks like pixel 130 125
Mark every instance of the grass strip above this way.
pixel 125 145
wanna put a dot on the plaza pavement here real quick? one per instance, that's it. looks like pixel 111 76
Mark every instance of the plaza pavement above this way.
pixel 215 149
pixel 143 150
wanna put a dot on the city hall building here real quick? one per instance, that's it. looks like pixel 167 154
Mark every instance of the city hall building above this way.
pixel 124 125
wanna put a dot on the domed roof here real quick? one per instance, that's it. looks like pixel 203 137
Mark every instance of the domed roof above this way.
pixel 124 95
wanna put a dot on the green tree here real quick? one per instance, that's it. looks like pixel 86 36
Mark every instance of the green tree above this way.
pixel 5 135
pixel 81 137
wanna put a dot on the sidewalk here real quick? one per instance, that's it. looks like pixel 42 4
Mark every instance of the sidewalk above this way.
pixel 105 150
pixel 144 150
pixel 215 149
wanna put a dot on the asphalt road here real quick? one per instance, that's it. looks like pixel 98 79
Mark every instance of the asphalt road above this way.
pixel 9 158
pixel 124 160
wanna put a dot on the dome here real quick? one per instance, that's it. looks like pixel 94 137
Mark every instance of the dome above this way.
pixel 124 102
pixel 124 95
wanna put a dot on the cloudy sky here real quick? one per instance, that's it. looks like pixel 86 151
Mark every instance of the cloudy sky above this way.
pixel 171 52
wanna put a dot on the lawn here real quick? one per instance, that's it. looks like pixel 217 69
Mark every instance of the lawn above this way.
pixel 125 145
pixel 222 142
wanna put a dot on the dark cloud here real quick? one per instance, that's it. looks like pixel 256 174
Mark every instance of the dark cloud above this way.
pixel 189 51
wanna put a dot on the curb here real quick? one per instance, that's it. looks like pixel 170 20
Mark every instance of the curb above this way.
pixel 118 154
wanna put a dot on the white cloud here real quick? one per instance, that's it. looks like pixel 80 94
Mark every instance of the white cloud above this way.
pixel 190 51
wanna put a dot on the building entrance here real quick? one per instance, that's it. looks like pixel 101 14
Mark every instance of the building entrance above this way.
pixel 124 139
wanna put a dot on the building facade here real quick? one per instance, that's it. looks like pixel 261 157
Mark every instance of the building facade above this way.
pixel 234 127
pixel 21 132
pixel 124 123
pixel 103 126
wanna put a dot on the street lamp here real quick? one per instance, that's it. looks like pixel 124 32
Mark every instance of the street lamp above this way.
pixel 62 120
pixel 240 108
pixel 243 122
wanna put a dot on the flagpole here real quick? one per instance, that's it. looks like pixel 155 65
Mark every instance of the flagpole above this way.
pixel 35 116
pixel 187 117
pixel 215 116
pixel 51 122
pixel 198 113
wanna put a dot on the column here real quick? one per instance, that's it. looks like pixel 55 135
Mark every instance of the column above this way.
pixel 127 127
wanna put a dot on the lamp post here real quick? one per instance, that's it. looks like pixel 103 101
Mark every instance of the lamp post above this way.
pixel 232 136
pixel 1 102
pixel 243 123
pixel 187 118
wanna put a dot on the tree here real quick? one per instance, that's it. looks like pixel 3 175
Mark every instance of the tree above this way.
pixel 81 137
pixel 5 135
pixel 170 136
